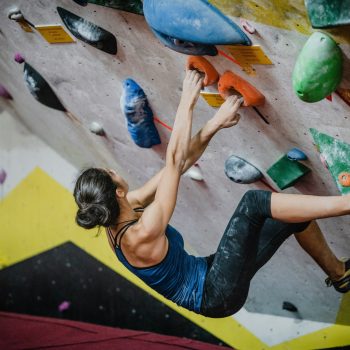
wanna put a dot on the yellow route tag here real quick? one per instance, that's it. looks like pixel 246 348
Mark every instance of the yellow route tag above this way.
pixel 247 55
pixel 213 99
pixel 54 34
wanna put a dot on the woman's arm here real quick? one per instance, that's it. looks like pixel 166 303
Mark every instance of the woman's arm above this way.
pixel 225 117
pixel 157 215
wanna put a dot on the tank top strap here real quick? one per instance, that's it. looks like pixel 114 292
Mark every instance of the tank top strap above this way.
pixel 122 231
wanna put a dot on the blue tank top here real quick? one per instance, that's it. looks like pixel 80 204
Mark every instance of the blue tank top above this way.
pixel 178 277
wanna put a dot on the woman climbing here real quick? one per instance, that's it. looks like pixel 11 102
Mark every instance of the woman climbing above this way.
pixel 138 230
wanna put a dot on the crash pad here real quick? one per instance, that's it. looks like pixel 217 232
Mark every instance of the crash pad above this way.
pixel 336 154
pixel 194 21
pixel 318 69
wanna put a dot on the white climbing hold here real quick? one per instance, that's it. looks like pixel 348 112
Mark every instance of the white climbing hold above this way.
pixel 195 173
pixel 97 129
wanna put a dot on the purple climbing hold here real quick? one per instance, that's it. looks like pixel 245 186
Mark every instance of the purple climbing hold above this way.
pixel 64 306
pixel 3 176
pixel 4 93
pixel 19 58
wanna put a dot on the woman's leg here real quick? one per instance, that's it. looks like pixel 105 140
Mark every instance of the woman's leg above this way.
pixel 314 243
pixel 242 250
pixel 300 208
pixel 228 277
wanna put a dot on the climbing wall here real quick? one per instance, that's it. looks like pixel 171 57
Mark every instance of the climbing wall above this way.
pixel 88 82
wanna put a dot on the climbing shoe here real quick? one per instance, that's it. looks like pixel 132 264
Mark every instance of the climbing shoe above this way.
pixel 342 285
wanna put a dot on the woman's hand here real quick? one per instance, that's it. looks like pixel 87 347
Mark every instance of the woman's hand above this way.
pixel 227 115
pixel 191 87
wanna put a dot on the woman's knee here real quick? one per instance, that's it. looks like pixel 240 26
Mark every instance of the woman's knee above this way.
pixel 256 203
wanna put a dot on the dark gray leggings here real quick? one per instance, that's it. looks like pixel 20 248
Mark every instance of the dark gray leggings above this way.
pixel 249 241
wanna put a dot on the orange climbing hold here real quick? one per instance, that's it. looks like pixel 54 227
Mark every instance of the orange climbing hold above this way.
pixel 230 82
pixel 344 179
pixel 202 65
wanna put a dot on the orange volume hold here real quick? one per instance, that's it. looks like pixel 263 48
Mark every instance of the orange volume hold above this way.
pixel 202 65
pixel 229 83
pixel 344 179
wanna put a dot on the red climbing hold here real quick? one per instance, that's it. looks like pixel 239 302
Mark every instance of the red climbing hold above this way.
pixel 344 179
pixel 229 83
pixel 202 65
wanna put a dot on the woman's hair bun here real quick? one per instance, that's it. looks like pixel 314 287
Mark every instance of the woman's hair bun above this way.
pixel 93 215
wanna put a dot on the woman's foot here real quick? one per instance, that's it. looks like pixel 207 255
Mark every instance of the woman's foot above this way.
pixel 341 285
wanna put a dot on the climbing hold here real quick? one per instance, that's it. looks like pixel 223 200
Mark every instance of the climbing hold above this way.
pixel 247 26
pixel 15 14
pixel 133 6
pixel 240 171
pixel 195 173
pixel 327 14
pixel 138 114
pixel 296 154
pixel 323 161
pixel 185 47
pixel 202 65
pixel 193 21
pixel 344 179
pixel 289 306
pixel 336 154
pixel 19 58
pixel 344 94
pixel 3 176
pixel 81 2
pixel 40 89
pixel 65 305
pixel 4 93
pixel 97 129
pixel 285 173
pixel 89 32
pixel 318 69
pixel 230 84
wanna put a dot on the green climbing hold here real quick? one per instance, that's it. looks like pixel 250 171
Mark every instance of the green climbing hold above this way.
pixel 336 154
pixel 285 172
pixel 318 69
pixel 326 13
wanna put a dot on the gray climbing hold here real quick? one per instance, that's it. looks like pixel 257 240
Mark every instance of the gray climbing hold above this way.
pixel 296 154
pixel 240 171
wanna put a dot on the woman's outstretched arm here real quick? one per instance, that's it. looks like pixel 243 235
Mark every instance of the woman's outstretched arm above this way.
pixel 225 117
pixel 157 215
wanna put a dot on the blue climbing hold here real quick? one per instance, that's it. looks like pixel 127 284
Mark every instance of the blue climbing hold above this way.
pixel 194 21
pixel 139 115
pixel 240 171
pixel 185 47
pixel 296 154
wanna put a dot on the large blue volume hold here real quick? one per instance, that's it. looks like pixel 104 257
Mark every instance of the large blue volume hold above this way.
pixel 185 47
pixel 195 21
pixel 139 115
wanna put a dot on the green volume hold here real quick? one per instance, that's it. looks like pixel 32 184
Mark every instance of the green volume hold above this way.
pixel 318 69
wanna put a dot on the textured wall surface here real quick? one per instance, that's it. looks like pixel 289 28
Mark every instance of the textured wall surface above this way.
pixel 88 81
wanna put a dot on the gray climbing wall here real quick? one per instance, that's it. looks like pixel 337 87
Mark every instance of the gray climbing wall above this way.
pixel 88 81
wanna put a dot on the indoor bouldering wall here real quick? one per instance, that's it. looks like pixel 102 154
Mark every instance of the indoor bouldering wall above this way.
pixel 108 46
